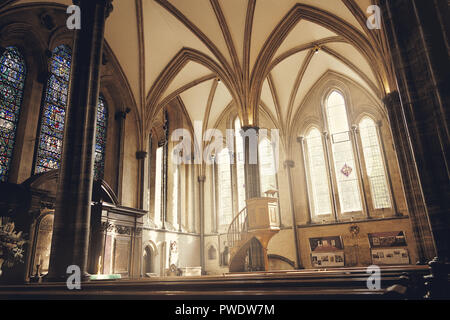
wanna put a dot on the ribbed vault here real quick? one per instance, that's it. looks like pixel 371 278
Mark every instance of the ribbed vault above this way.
pixel 259 54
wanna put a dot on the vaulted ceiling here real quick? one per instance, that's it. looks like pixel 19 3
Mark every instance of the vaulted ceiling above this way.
pixel 210 53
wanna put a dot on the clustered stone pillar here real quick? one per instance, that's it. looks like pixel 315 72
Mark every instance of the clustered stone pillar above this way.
pixel 289 165
pixel 97 239
pixel 354 134
pixel 141 156
pixel 120 117
pixel 70 240
pixel 201 182
pixel 411 182
pixel 417 36
pixel 301 140
pixel 250 139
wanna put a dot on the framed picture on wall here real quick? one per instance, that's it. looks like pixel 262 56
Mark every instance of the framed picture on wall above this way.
pixel 387 239
pixel 327 252
pixel 392 256
pixel 389 248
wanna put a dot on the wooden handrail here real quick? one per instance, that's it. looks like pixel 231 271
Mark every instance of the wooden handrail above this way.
pixel 237 226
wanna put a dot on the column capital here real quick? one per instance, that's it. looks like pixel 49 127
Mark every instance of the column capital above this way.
pixel 289 164
pixel 355 129
pixel 392 99
pixel 300 139
pixel 141 155
pixel 245 129
pixel 201 179
pixel 119 115
pixel 106 3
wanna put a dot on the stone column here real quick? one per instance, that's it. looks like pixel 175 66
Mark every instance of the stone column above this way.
pixel 164 184
pixel 141 156
pixel 97 239
pixel 388 170
pixel 354 133
pixel 410 179
pixel 250 137
pixel 201 203
pixel 417 34
pixel 120 117
pixel 334 191
pixel 73 200
pixel 289 164
pixel 301 140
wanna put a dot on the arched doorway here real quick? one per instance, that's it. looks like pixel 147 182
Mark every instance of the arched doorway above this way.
pixel 254 261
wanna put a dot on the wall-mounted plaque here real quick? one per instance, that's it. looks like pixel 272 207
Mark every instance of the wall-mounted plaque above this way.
pixel 122 250
pixel 327 252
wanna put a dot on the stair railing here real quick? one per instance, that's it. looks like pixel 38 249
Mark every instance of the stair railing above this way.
pixel 237 227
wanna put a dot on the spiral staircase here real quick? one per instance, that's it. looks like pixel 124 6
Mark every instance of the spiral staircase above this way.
pixel 249 234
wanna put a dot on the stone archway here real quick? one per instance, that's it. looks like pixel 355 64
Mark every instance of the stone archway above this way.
pixel 149 261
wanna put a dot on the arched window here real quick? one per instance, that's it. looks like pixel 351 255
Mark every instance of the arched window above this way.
pixel 240 165
pixel 374 164
pixel 341 169
pixel 149 266
pixel 100 138
pixel 158 182
pixel 12 81
pixel 231 175
pixel 343 154
pixel 51 135
pixel 320 190
pixel 225 202
pixel 176 194
pixel 212 253
pixel 54 111
pixel 267 171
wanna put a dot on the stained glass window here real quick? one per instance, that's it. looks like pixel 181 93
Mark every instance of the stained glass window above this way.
pixel 374 164
pixel 54 110
pixel 240 165
pixel 12 81
pixel 224 187
pixel 320 190
pixel 53 115
pixel 100 138
pixel 343 154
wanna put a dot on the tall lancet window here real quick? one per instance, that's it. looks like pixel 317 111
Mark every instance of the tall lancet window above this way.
pixel 175 193
pixel 320 198
pixel 158 182
pixel 267 170
pixel 51 134
pixel 240 165
pixel 374 164
pixel 12 81
pixel 343 154
pixel 225 200
pixel 100 139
